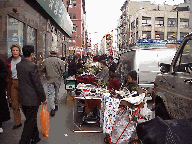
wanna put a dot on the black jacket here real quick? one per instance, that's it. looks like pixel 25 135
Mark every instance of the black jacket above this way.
pixel 4 110
pixel 31 91
pixel 72 68
pixel 112 66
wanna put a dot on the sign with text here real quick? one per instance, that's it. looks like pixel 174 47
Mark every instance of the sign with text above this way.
pixel 57 10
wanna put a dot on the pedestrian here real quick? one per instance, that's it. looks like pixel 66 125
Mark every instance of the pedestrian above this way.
pixel 132 80
pixel 31 95
pixel 52 67
pixel 79 64
pixel 104 73
pixel 112 65
pixel 72 68
pixel 12 89
pixel 4 109
pixel 113 82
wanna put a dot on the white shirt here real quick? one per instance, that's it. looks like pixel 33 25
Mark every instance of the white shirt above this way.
pixel 13 67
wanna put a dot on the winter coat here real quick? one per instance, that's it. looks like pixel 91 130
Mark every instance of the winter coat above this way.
pixel 72 68
pixel 4 109
pixel 112 66
pixel 8 67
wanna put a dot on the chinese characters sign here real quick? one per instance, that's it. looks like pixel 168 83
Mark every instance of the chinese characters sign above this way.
pixel 56 9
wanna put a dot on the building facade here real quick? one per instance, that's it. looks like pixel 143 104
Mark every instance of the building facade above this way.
pixel 78 16
pixel 43 25
pixel 145 20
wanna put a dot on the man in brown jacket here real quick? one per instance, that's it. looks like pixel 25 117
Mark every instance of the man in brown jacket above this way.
pixel 53 69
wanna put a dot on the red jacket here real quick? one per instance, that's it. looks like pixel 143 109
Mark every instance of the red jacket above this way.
pixel 8 67
pixel 114 83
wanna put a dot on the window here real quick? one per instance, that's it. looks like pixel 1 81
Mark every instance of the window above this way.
pixel 146 21
pixel 74 15
pixel 184 59
pixel 172 22
pixel 14 33
pixel 74 27
pixel 159 21
pixel 184 23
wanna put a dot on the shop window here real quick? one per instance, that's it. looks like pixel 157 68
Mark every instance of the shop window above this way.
pixel 159 35
pixel 171 35
pixel 172 22
pixel 14 33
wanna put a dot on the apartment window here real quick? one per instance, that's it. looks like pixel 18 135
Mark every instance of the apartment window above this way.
pixel 72 15
pixel 184 23
pixel 146 21
pixel 74 27
pixel 159 21
pixel 172 22
pixel 146 34
pixel 73 3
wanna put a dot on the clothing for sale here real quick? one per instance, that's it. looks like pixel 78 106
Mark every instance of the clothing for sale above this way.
pixel 72 68
pixel 53 93
pixel 4 110
pixel 53 69
pixel 103 75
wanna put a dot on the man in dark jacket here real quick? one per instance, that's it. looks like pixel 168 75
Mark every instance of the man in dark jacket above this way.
pixel 31 95
pixel 112 65
pixel 72 68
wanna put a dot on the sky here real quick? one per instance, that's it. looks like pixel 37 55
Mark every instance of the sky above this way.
pixel 102 16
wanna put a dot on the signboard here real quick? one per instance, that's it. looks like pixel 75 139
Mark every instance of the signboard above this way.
pixel 148 45
pixel 57 10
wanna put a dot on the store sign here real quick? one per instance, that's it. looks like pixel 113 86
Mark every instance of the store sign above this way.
pixel 56 9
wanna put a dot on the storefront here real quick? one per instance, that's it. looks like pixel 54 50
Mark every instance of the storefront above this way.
pixel 45 25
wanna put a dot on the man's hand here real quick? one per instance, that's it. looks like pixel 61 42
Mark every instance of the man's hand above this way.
pixel 45 102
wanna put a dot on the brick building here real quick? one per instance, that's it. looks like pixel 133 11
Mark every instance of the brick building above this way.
pixel 42 23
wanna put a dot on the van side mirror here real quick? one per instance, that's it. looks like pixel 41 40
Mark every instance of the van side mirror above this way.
pixel 165 68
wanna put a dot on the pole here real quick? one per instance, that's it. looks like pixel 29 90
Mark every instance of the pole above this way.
pixel 191 15
pixel 76 40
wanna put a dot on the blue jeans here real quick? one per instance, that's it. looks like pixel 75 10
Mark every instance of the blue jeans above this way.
pixel 53 93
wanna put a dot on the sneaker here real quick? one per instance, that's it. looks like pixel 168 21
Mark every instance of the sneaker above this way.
pixel 17 126
pixel 52 113
pixel 35 141
pixel 56 107
pixel 1 130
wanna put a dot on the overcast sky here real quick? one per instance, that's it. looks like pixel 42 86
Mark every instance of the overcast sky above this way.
pixel 102 16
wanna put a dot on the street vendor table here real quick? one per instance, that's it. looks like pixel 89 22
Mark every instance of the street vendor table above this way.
pixel 87 99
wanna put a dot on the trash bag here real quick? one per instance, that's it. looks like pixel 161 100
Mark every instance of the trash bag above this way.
pixel 44 121
pixel 158 131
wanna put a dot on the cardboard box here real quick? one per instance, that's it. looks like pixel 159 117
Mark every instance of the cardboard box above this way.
pixel 70 98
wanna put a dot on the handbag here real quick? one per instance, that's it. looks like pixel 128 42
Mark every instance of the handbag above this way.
pixel 44 121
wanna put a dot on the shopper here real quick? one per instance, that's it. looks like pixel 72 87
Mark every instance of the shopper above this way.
pixel 79 64
pixel 104 73
pixel 31 94
pixel 112 65
pixel 13 83
pixel 52 67
pixel 72 68
pixel 4 109
pixel 132 80
pixel 113 82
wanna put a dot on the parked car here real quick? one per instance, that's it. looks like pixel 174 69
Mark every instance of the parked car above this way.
pixel 173 86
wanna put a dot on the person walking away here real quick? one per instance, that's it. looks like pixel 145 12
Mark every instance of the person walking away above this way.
pixel 53 73
pixel 104 73
pixel 31 95
pixel 112 65
pixel 12 91
pixel 4 109
pixel 72 68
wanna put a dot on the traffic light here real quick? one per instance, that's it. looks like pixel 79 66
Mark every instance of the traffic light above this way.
pixel 108 37
pixel 174 35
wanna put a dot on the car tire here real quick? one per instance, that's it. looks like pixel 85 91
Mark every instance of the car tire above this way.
pixel 160 111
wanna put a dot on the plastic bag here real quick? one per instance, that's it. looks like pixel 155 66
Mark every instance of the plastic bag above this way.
pixel 44 121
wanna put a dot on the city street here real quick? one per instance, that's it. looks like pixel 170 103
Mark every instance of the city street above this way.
pixel 61 127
